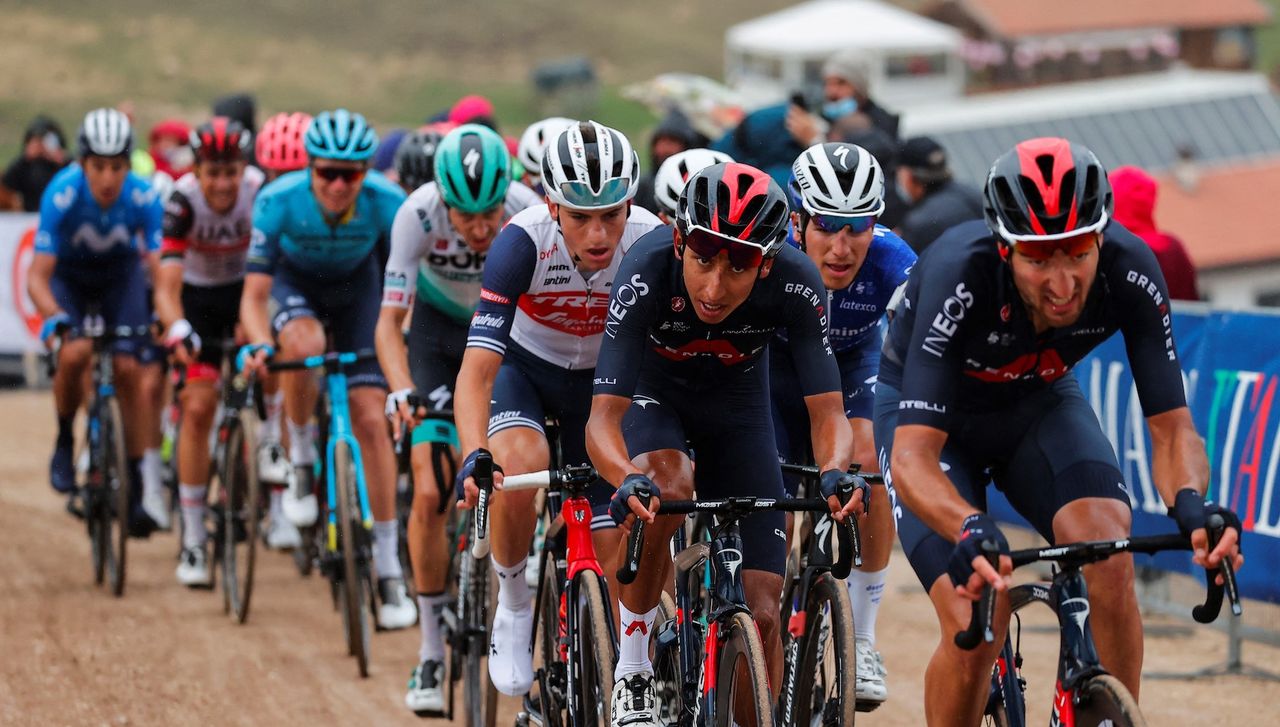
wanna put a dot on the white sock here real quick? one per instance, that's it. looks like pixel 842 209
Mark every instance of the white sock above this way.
pixel 386 544
pixel 633 641
pixel 429 607
pixel 271 427
pixel 277 506
pixel 191 500
pixel 513 589
pixel 152 471
pixel 865 590
pixel 301 451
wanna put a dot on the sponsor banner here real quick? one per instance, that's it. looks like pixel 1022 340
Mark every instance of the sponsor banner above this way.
pixel 19 322
pixel 1231 366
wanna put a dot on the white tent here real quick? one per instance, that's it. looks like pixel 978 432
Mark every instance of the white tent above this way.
pixel 910 58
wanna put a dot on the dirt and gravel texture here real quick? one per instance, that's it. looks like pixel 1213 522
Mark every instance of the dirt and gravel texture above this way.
pixel 70 654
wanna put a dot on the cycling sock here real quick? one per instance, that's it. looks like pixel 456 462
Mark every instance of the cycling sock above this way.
pixel 513 589
pixel 277 503
pixel 429 608
pixel 865 590
pixel 386 556
pixel 633 642
pixel 271 427
pixel 191 498
pixel 152 471
pixel 65 434
pixel 301 450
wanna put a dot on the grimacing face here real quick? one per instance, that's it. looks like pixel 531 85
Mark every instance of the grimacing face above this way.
pixel 839 255
pixel 591 236
pixel 1056 288
pixel 717 288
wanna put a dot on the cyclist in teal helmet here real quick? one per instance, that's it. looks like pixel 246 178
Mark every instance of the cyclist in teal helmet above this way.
pixel 341 135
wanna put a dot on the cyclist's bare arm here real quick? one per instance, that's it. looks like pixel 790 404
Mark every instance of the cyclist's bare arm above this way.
pixel 608 450
pixel 393 355
pixel 168 295
pixel 38 277
pixel 253 307
pixel 473 390
pixel 832 437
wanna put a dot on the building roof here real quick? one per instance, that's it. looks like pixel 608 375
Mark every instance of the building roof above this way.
pixel 821 27
pixel 1227 220
pixel 1018 18
pixel 1222 117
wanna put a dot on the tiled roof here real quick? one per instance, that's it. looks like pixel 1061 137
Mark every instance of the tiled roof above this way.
pixel 1229 219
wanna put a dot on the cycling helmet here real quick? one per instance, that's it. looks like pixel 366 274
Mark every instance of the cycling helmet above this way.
pixel 220 140
pixel 341 135
pixel 415 158
pixel 473 168
pixel 533 142
pixel 676 170
pixel 106 133
pixel 837 179
pixel 737 201
pixel 280 147
pixel 590 166
pixel 1046 189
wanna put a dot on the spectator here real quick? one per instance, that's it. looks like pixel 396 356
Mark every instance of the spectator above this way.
pixel 858 129
pixel 169 144
pixel 762 141
pixel 240 107
pixel 43 154
pixel 674 134
pixel 473 110
pixel 1135 207
pixel 845 91
pixel 937 201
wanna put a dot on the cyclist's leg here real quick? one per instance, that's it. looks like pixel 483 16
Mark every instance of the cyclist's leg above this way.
pixel 298 334
pixel 956 681
pixel 151 387
pixel 1064 479
pixel 68 383
pixel 199 402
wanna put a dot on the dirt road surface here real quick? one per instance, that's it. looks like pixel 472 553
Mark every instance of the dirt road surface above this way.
pixel 70 654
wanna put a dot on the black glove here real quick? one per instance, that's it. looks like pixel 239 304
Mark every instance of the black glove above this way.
pixel 976 529
pixel 1191 511
pixel 836 482
pixel 633 484
pixel 467 469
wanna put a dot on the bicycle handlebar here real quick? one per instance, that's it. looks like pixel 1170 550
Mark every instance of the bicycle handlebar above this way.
pixel 483 475
pixel 332 357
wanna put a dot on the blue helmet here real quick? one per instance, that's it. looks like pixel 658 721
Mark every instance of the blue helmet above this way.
pixel 341 135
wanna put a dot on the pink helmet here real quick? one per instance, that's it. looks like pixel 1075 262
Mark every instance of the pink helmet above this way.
pixel 280 145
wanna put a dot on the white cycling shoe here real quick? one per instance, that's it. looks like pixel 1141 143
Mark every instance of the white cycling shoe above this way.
pixel 634 702
pixel 193 568
pixel 510 651
pixel 426 691
pixel 302 510
pixel 282 534
pixel 273 464
pixel 871 673
pixel 395 609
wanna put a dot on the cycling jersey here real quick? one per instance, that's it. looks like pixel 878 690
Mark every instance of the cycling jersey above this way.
pixel 211 246
pixel 425 245
pixel 81 234
pixel 534 295
pixel 290 227
pixel 856 311
pixel 961 339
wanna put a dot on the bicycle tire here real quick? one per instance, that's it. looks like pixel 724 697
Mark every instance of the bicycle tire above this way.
pixel 596 651
pixel 826 691
pixel 666 665
pixel 1103 700
pixel 354 615
pixel 480 696
pixel 243 506
pixel 741 645
pixel 1006 695
pixel 116 470
pixel 97 512
pixel 550 675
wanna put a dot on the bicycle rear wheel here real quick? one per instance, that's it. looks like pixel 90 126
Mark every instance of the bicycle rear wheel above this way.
pixel 118 484
pixel 352 586
pixel 242 514
pixel 742 679
pixel 480 696
pixel 666 662
pixel 1103 701
pixel 826 668
pixel 550 674
pixel 595 651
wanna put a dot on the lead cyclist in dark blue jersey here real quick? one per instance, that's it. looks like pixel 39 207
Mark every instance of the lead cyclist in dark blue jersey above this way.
pixel 837 192
pixel 975 384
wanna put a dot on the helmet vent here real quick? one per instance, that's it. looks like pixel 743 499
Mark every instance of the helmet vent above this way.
pixel 1045 164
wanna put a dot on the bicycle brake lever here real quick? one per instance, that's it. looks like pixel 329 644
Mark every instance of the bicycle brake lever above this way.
pixel 635 542
pixel 983 614
pixel 1208 611
pixel 483 475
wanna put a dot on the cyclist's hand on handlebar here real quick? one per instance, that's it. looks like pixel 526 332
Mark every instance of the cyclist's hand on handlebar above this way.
pixel 969 569
pixel 626 500
pixel 464 485
pixel 252 358
pixel 839 485
pixel 404 407
pixel 1191 512
pixel 182 341
pixel 54 326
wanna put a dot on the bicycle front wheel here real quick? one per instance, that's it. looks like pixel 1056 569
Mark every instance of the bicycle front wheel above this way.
pixel 481 696
pixel 742 679
pixel 242 513
pixel 1103 700
pixel 119 484
pixel 595 652
pixel 825 674
pixel 551 670
pixel 351 585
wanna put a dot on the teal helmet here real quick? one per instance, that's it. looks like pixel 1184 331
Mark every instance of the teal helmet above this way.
pixel 341 135
pixel 473 168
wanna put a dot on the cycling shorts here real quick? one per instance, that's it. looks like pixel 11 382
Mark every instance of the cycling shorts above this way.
pixel 348 308
pixel 528 390
pixel 119 288
pixel 730 430
pixel 212 311
pixel 1042 452
pixel 436 344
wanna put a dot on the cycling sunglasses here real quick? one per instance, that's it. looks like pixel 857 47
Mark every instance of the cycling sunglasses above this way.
pixel 707 244
pixel 831 224
pixel 580 195
pixel 1041 250
pixel 346 174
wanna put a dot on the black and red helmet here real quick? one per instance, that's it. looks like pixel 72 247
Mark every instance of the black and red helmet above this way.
pixel 1045 189
pixel 736 201
pixel 220 139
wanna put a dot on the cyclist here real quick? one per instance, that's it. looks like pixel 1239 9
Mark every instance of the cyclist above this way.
pixel 280 146
pixel 683 365
pixel 531 349
pixel 318 237
pixel 207 223
pixel 533 143
pixel 438 246
pixel 837 192
pixel 415 159
pixel 674 173
pixel 91 217
pixel 975 383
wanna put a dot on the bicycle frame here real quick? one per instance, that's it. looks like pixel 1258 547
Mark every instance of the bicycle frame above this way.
pixel 340 431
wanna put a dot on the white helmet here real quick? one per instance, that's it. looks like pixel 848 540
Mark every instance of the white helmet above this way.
pixel 107 133
pixel 838 179
pixel 669 182
pixel 590 166
pixel 533 142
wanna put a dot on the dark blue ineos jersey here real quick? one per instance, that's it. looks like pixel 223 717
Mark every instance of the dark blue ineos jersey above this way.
pixel 961 338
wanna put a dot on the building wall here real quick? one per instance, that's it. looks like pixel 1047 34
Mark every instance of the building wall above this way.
pixel 1241 287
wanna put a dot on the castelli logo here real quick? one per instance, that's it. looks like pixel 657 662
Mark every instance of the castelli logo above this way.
pixel 1005 312
pixel 677 304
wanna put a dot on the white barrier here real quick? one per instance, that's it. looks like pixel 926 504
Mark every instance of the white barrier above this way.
pixel 19 322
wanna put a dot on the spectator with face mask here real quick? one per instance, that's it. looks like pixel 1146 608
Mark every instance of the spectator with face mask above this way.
pixel 937 201
pixel 43 154
pixel 674 134
pixel 845 92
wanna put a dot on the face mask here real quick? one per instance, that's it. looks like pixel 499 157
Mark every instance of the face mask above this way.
pixel 902 192
pixel 833 110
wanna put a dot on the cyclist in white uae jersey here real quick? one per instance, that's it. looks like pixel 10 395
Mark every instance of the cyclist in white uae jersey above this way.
pixel 532 349
pixel 439 240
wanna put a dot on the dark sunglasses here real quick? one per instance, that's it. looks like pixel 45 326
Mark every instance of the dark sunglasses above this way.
pixel 707 244
pixel 1041 250
pixel 346 174
pixel 831 224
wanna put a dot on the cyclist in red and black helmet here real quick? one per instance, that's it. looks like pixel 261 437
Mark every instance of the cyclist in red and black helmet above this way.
pixel 691 312
pixel 975 385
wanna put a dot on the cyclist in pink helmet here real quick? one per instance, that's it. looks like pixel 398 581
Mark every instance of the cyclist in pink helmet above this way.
pixel 279 146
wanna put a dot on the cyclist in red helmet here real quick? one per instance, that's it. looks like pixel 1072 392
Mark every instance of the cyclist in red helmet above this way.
pixel 975 385
pixel 280 146
pixel 683 363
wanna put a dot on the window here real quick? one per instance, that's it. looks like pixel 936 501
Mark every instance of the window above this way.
pixel 915 65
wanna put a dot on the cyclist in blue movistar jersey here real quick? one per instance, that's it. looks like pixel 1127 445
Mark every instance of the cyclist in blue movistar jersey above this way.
pixel 319 239
pixel 837 193
pixel 87 250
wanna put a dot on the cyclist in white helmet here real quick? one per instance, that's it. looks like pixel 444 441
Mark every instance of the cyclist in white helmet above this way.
pixel 533 142
pixel 531 353
pixel 671 177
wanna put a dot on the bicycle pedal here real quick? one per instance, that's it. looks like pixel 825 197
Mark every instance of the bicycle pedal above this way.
pixel 431 714
pixel 866 705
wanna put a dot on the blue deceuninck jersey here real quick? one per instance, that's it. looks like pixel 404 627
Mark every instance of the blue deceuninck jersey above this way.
pixel 79 232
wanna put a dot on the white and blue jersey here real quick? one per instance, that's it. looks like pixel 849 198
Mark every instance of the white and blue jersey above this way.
pixel 81 234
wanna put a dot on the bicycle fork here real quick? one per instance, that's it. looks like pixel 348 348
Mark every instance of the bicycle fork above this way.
pixel 1078 658
pixel 340 431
